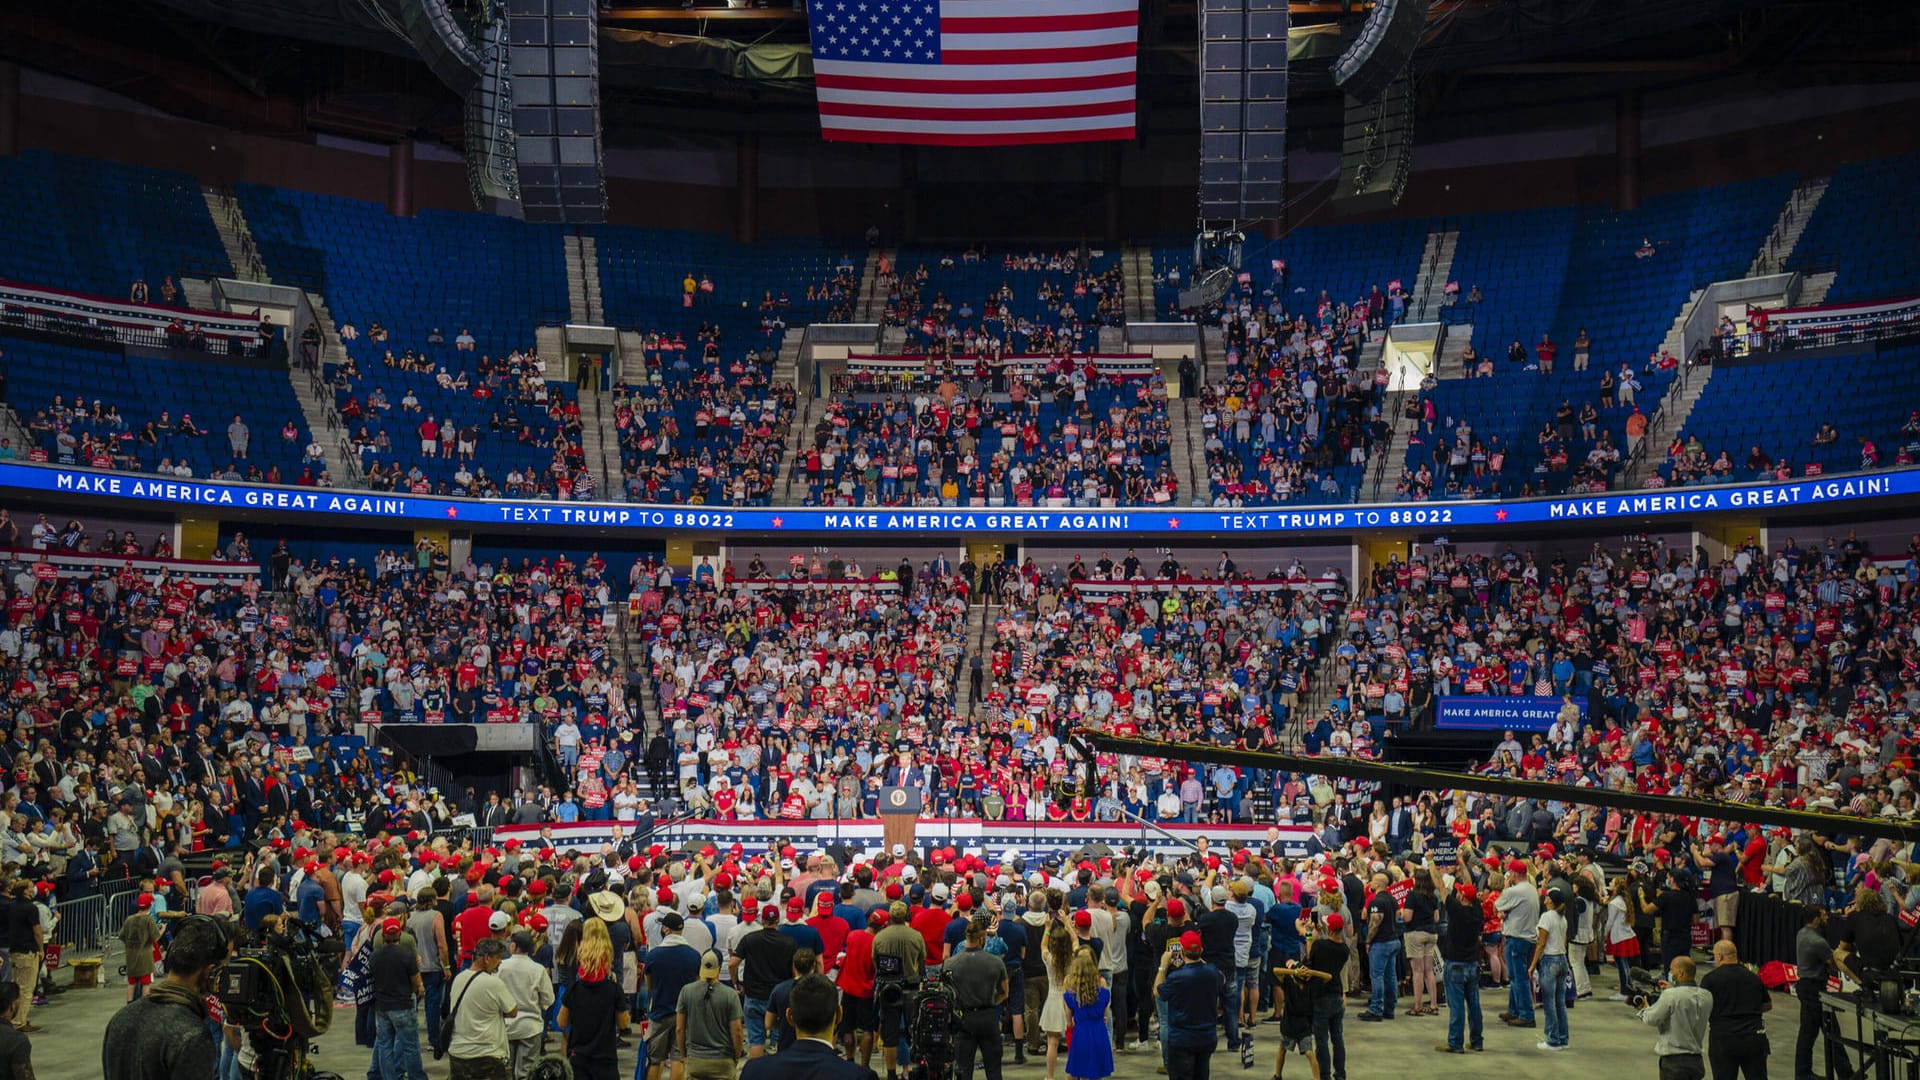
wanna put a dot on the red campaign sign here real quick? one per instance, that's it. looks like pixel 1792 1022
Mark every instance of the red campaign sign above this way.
pixel 1702 936
pixel 369 716
pixel 436 717
pixel 66 680
pixel 278 622
pixel 45 571
pixel 37 456
pixel 164 625
pixel 127 667
pixel 176 605
pixel 155 665
pixel 1400 889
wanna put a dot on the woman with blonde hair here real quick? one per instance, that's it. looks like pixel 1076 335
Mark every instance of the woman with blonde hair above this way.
pixel 1057 954
pixel 1087 1000
pixel 594 1009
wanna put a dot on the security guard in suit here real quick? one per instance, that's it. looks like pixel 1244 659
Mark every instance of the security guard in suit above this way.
pixel 813 1008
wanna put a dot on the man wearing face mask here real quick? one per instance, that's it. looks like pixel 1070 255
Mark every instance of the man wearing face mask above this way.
pixel 163 1035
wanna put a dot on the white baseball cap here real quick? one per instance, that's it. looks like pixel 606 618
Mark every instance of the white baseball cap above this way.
pixel 939 890
pixel 498 921
pixel 899 849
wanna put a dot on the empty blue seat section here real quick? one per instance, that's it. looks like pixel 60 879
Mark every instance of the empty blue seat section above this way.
pixel 643 271
pixel 1023 318
pixel 97 226
pixel 47 383
pixel 493 276
pixel 1560 270
pixel 1778 407
pixel 1344 261
pixel 1866 227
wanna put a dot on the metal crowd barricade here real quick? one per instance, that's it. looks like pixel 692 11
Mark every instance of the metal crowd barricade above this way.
pixel 90 926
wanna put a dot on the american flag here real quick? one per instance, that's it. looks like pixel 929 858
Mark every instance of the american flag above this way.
pixel 974 72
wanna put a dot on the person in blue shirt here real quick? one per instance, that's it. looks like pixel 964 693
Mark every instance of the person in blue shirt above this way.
pixel 1191 989
pixel 804 963
pixel 669 967
pixel 262 900
pixel 796 928
pixel 308 896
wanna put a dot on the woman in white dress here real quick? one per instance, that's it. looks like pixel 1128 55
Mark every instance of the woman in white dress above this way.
pixel 1058 956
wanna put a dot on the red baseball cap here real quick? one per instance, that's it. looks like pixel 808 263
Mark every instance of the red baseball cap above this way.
pixel 1336 922
pixel 964 901
pixel 144 901
pixel 1190 941
pixel 536 921
pixel 1467 892
pixel 723 880
pixel 1176 909
pixel 895 892
pixel 825 902
pixel 538 888
pixel 1083 917
pixel 796 905
pixel 750 905
pixel 391 926
pixel 665 895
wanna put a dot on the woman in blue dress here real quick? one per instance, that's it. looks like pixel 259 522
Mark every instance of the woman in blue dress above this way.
pixel 1090 1057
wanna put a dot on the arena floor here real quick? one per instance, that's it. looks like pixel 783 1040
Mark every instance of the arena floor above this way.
pixel 1608 1043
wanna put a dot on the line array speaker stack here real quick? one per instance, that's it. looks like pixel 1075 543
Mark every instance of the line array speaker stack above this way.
pixel 493 173
pixel 1376 153
pixel 1243 110
pixel 553 57
pixel 1383 50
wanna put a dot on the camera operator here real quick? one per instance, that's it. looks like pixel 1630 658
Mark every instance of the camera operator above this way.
pixel 1737 1041
pixel 164 1035
pixel 979 981
pixel 1680 1013
pixel 1874 938
pixel 899 957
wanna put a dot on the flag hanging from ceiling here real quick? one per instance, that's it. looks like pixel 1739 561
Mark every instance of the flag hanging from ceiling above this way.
pixel 974 72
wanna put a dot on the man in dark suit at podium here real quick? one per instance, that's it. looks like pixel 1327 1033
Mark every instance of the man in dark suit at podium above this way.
pixel 813 1008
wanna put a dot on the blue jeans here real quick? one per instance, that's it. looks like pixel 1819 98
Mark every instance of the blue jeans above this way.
pixel 435 984
pixel 397 1045
pixel 1463 1003
pixel 1383 968
pixel 1166 1025
pixel 1519 994
pixel 756 1023
pixel 1553 998
pixel 1230 1004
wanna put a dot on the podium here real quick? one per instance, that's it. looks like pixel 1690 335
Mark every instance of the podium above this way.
pixel 900 816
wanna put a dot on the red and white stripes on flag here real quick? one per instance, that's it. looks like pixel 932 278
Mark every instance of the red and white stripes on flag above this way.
pixel 975 72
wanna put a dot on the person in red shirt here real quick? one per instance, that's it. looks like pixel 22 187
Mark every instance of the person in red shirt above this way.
pixel 931 922
pixel 470 926
pixel 860 1018
pixel 833 930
